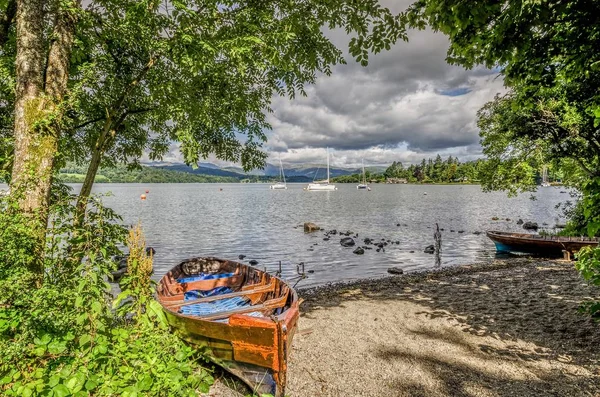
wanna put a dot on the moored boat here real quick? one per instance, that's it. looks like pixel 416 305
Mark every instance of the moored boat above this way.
pixel 363 184
pixel 322 185
pixel 537 244
pixel 243 318
pixel 281 184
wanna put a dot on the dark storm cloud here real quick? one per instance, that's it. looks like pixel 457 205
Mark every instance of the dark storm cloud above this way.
pixel 408 98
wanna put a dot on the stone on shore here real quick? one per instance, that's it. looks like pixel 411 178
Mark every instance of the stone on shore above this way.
pixel 310 227
pixel 395 270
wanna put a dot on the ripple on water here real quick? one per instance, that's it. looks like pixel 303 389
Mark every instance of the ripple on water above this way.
pixel 184 220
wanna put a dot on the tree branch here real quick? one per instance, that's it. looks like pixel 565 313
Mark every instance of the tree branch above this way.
pixel 89 122
pixel 584 167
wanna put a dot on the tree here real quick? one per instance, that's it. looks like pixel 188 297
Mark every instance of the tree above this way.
pixel 41 77
pixel 147 73
pixel 547 54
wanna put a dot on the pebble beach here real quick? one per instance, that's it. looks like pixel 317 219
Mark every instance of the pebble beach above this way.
pixel 501 328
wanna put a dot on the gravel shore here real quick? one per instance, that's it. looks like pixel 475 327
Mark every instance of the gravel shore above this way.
pixel 506 328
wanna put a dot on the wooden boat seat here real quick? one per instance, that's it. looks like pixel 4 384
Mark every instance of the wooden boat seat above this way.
pixel 266 305
pixel 176 288
pixel 246 292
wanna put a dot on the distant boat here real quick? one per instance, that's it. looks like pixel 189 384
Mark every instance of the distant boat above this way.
pixel 363 184
pixel 536 244
pixel 281 185
pixel 322 185
pixel 545 182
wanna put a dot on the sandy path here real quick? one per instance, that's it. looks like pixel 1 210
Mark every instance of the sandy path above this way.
pixel 513 331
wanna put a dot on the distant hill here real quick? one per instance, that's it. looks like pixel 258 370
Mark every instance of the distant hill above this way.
pixel 201 170
pixel 157 172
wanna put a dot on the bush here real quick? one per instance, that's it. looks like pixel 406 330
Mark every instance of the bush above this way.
pixel 588 265
pixel 58 333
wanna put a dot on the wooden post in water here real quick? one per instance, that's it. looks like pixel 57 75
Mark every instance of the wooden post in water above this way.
pixel 437 236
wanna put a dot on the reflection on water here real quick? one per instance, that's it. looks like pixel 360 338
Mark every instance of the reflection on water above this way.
pixel 185 220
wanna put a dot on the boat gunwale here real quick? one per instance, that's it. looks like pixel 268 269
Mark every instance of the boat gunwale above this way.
pixel 272 319
pixel 539 238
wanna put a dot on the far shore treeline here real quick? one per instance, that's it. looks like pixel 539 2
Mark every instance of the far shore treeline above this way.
pixel 436 170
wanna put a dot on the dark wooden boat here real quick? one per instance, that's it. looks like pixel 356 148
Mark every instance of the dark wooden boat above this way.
pixel 244 319
pixel 541 245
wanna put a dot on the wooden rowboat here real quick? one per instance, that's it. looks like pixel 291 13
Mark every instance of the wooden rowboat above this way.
pixel 536 244
pixel 242 318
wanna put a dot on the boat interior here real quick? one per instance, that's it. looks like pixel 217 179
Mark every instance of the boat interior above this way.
pixel 213 289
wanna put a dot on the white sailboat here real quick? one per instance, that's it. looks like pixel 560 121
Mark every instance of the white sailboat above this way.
pixel 363 184
pixel 322 185
pixel 545 182
pixel 281 184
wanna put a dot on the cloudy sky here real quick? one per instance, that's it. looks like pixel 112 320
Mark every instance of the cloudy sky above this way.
pixel 406 105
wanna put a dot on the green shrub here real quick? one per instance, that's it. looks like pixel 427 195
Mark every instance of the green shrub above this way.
pixel 60 337
pixel 588 265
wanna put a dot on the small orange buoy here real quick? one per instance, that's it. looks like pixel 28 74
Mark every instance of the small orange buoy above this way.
pixel 143 197
pixel 147 191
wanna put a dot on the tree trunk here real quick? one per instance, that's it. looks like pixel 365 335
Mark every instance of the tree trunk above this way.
pixel 36 142
pixel 29 147
pixel 111 124
pixel 92 170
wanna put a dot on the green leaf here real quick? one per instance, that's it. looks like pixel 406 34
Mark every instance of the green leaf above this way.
pixel 90 385
pixel 175 375
pixel 76 382
pixel 85 340
pixel 156 309
pixel 44 340
pixel 61 390
pixel 56 347
pixel 145 383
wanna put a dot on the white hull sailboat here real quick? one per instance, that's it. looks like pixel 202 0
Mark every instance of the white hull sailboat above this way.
pixel 322 185
pixel 545 182
pixel 363 184
pixel 281 185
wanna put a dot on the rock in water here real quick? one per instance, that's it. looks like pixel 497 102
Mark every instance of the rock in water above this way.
pixel 347 242
pixel 241 257
pixel 430 249
pixel 359 251
pixel 253 262
pixel 310 227
pixel 395 270
pixel 530 226
pixel 520 222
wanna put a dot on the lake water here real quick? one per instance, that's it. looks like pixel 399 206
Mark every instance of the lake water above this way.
pixel 186 220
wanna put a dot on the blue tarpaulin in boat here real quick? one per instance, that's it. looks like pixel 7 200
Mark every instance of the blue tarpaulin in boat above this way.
pixel 206 308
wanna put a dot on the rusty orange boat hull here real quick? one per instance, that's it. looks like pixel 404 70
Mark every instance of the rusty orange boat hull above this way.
pixel 253 341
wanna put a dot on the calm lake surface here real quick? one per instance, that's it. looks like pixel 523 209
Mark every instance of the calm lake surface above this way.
pixel 186 220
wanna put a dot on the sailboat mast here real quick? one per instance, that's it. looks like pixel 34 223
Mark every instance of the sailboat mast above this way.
pixel 327 165
pixel 364 175
pixel 281 169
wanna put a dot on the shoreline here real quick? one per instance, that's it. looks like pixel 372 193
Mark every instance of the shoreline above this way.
pixel 490 329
